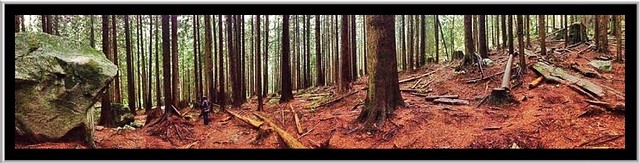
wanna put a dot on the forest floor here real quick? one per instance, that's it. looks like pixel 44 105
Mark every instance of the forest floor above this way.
pixel 549 116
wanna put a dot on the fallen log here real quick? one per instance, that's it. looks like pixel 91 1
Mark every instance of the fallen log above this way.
pixel 536 82
pixel 297 120
pixel 430 98
pixel 583 92
pixel 286 137
pixel 414 91
pixel 502 95
pixel 558 75
pixel 311 95
pixel 336 99
pixel 419 76
pixel 451 101
pixel 619 107
pixel 588 72
pixel 252 122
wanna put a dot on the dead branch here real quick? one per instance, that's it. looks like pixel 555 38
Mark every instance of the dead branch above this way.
pixel 451 101
pixel 336 99
pixel 286 137
pixel 252 122
pixel 297 120
pixel 430 98
pixel 600 140
pixel 414 85
pixel 419 76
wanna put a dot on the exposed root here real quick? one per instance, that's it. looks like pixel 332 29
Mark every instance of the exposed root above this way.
pixel 173 129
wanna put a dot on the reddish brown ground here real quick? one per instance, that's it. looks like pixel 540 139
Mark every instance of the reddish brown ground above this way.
pixel 548 118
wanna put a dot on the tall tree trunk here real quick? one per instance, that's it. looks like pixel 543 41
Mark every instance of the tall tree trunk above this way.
pixel 344 56
pixel 528 31
pixel 166 66
pixel 131 93
pixel 265 81
pixel 521 44
pixel 542 34
pixel 241 42
pixel 336 66
pixel 475 27
pixel 55 27
pixel 17 23
pixel 92 40
pixel 404 46
pixel 503 21
pixel 208 59
pixel 436 23
pixel 145 82
pixel 49 25
pixel 468 36
pixel 354 60
pixel 221 78
pixel 566 32
pixel 603 21
pixel 618 33
pixel 196 58
pixel 510 28
pixel 175 81
pixel 423 35
pixel 105 105
pixel 383 94
pixel 149 102
pixel 482 47
pixel 233 61
pixel 158 88
pixel 258 61
pixel 319 73
pixel 285 67
pixel 364 41
pixel 410 41
pixel 114 40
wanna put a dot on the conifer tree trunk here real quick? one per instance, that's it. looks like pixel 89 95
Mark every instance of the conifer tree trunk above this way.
pixel 618 33
pixel 92 40
pixel 354 63
pixel 131 94
pixel 504 30
pixel 265 81
pixel 521 43
pixel 423 35
pixel 258 61
pixel 114 35
pixel 528 31
pixel 285 67
pixel 476 45
pixel 208 59
pixel 404 45
pixel 468 36
pixel 196 71
pixel 148 100
pixel 410 41
pixel 175 81
pixel 603 21
pixel 482 47
pixel 166 66
pixel 158 88
pixel 383 94
pixel 319 67
pixel 510 34
pixel 105 105
pixel 345 68
pixel 542 34
pixel 221 78
pixel 435 34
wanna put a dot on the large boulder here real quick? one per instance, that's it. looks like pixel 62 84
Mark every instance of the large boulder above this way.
pixel 57 83
pixel 121 115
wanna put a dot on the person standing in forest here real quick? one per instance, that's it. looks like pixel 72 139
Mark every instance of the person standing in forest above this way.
pixel 204 104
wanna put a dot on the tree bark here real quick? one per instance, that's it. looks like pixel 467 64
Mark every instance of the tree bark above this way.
pixel 618 33
pixel 208 58
pixel 542 34
pixel 221 78
pixel 503 21
pixel 175 81
pixel 131 94
pixel 383 94
pixel 528 31
pixel 265 76
pixel 436 23
pixel 319 69
pixel 468 36
pixel 92 40
pixel 105 111
pixel 158 88
pixel 423 36
pixel 166 66
pixel 404 46
pixel 482 37
pixel 196 71
pixel 114 35
pixel 345 67
pixel 510 34
pixel 285 67
pixel 258 62
pixel 603 21
pixel 521 44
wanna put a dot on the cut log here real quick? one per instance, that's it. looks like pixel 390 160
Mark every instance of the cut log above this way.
pixel 619 107
pixel 536 82
pixel 588 72
pixel 451 101
pixel 252 122
pixel 557 74
pixel 297 120
pixel 286 137
pixel 430 98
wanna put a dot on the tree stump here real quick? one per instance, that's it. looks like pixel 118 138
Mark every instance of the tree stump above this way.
pixel 577 33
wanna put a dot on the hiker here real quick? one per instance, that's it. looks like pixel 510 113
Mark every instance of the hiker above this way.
pixel 205 109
